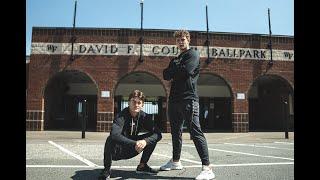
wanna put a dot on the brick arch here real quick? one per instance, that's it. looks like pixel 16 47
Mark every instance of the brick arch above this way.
pixel 276 117
pixel 225 81
pixel 49 80
pixel 225 106
pixel 281 78
pixel 162 120
pixel 140 71
pixel 48 101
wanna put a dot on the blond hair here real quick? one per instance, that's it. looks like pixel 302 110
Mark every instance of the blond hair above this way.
pixel 182 33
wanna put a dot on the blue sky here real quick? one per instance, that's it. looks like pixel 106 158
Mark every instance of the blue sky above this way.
pixel 242 16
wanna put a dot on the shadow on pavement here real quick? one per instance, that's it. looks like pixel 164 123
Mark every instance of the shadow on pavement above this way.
pixel 86 174
pixel 119 175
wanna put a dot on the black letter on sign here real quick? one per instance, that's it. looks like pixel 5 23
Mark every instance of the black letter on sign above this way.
pixel 263 54
pixel 91 49
pixel 167 51
pixel 129 48
pixel 99 49
pixel 153 50
pixel 116 49
pixel 214 52
pixel 81 50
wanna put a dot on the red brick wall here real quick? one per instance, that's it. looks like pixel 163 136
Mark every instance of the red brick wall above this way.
pixel 106 71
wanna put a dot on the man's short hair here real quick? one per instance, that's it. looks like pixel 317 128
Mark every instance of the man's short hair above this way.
pixel 181 33
pixel 137 94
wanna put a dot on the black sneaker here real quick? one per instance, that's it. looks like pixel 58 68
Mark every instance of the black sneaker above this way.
pixel 105 174
pixel 146 170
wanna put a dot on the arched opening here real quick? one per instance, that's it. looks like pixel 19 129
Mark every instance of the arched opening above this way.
pixel 70 100
pixel 270 104
pixel 215 99
pixel 153 89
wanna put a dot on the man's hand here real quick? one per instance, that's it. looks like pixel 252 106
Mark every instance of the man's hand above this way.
pixel 140 145
pixel 177 62
pixel 173 64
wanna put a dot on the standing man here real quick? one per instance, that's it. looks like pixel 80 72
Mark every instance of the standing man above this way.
pixel 124 141
pixel 183 72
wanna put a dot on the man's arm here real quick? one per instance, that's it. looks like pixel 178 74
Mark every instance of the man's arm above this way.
pixel 191 65
pixel 169 71
pixel 116 130
pixel 153 129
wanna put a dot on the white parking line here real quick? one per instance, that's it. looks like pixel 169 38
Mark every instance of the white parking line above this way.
pixel 234 137
pixel 244 164
pixel 59 166
pixel 182 159
pixel 89 163
pixel 253 145
pixel 249 154
pixel 133 167
pixel 252 164
pixel 283 142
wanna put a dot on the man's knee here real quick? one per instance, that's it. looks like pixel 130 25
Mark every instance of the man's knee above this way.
pixel 176 133
pixel 159 137
pixel 156 141
pixel 109 139
pixel 108 142
pixel 196 133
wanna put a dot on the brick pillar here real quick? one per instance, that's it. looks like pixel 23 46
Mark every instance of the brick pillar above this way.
pixel 240 116
pixel 166 121
pixel 35 116
pixel 240 122
pixel 104 121
pixel 165 124
pixel 105 110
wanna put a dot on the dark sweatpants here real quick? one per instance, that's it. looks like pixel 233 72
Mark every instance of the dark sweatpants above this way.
pixel 187 111
pixel 116 151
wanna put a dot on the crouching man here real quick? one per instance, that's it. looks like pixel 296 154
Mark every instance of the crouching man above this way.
pixel 125 142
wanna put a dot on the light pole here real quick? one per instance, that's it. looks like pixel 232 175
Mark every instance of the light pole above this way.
pixel 207 41
pixel 73 38
pixel 270 63
pixel 141 31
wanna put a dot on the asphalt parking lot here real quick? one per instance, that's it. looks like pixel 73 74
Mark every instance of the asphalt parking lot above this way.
pixel 65 155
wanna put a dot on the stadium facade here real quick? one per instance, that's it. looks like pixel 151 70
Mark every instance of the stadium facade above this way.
pixel 239 90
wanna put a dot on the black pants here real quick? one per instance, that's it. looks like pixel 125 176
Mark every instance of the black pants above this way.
pixel 187 111
pixel 116 151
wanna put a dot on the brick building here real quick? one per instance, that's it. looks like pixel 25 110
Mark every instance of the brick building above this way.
pixel 239 91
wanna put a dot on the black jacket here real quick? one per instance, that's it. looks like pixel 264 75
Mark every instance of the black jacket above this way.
pixel 184 72
pixel 124 132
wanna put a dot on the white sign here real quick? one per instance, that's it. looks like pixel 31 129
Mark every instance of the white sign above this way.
pixel 240 96
pixel 105 93
pixel 115 49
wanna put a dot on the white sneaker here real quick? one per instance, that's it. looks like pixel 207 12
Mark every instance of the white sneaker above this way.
pixel 206 173
pixel 171 166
